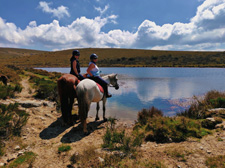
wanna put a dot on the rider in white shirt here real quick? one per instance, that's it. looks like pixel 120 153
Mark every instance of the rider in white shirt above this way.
pixel 94 74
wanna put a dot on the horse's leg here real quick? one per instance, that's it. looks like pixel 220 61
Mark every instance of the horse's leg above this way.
pixel 104 102
pixel 97 109
pixel 64 108
pixel 69 112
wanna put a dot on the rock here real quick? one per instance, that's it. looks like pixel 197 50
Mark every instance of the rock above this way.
pixel 20 153
pixel 101 159
pixel 2 164
pixel 49 104
pixel 29 104
pixel 208 151
pixel 17 147
pixel 211 119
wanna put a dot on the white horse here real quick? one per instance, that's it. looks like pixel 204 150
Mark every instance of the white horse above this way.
pixel 87 91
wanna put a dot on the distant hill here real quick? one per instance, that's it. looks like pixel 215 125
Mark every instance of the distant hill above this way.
pixel 112 57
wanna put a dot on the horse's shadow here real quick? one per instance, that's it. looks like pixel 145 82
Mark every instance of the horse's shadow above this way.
pixel 55 129
pixel 76 133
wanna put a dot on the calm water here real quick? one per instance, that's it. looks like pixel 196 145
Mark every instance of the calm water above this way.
pixel 145 87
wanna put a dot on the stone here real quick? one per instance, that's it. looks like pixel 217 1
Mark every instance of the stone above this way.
pixel 101 159
pixel 2 164
pixel 20 153
pixel 17 147
pixel 211 119
pixel 208 151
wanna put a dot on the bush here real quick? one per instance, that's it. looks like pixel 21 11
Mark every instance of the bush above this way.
pixel 199 108
pixel 218 102
pixel 11 122
pixel 118 140
pixel 9 91
pixel 145 114
pixel 208 124
pixel 168 129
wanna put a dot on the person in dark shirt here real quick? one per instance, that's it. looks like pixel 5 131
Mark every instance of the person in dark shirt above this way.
pixel 75 65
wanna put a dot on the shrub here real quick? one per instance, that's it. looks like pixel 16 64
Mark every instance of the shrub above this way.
pixel 218 102
pixel 118 140
pixel 199 108
pixel 46 89
pixel 145 114
pixel 208 124
pixel 11 122
pixel 64 148
pixel 168 129
pixel 9 91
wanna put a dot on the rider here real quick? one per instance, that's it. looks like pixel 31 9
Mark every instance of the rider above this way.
pixel 94 74
pixel 75 65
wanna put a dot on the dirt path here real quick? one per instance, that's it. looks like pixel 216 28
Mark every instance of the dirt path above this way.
pixel 27 90
pixel 44 134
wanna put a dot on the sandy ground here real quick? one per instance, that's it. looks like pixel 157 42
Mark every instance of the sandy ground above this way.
pixel 44 133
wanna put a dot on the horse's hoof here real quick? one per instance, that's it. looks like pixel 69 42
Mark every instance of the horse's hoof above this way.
pixel 105 119
pixel 97 118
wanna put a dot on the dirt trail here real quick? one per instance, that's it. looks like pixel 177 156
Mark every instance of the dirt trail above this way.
pixel 44 133
pixel 26 91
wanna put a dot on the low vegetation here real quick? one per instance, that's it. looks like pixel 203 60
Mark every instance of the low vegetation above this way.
pixel 118 140
pixel 64 148
pixel 155 127
pixel 216 162
pixel 25 160
pixel 113 57
pixel 11 122
pixel 44 83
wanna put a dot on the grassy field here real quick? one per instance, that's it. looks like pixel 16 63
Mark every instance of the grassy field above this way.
pixel 112 57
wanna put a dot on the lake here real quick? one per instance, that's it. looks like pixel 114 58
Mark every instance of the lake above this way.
pixel 159 87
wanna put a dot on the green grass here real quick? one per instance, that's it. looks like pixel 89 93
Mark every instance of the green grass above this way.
pixel 26 158
pixel 64 148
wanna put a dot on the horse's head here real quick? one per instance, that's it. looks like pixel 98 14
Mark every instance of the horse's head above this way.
pixel 113 81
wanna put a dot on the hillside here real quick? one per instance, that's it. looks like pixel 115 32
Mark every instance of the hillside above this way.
pixel 113 57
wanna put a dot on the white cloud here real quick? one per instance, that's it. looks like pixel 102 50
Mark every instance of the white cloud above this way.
pixel 60 12
pixel 102 11
pixel 207 26
pixel 205 31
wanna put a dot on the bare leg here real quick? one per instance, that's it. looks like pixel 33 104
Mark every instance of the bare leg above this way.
pixel 97 109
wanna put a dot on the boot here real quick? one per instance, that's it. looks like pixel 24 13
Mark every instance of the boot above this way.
pixel 108 95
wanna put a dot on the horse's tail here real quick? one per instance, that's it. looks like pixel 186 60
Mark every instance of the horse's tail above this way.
pixel 83 103
pixel 61 83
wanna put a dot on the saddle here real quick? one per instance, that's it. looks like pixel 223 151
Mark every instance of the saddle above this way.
pixel 100 88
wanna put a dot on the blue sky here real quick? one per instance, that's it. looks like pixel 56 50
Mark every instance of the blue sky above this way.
pixel 139 24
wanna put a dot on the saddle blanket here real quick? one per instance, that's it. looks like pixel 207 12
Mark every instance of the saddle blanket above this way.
pixel 100 88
